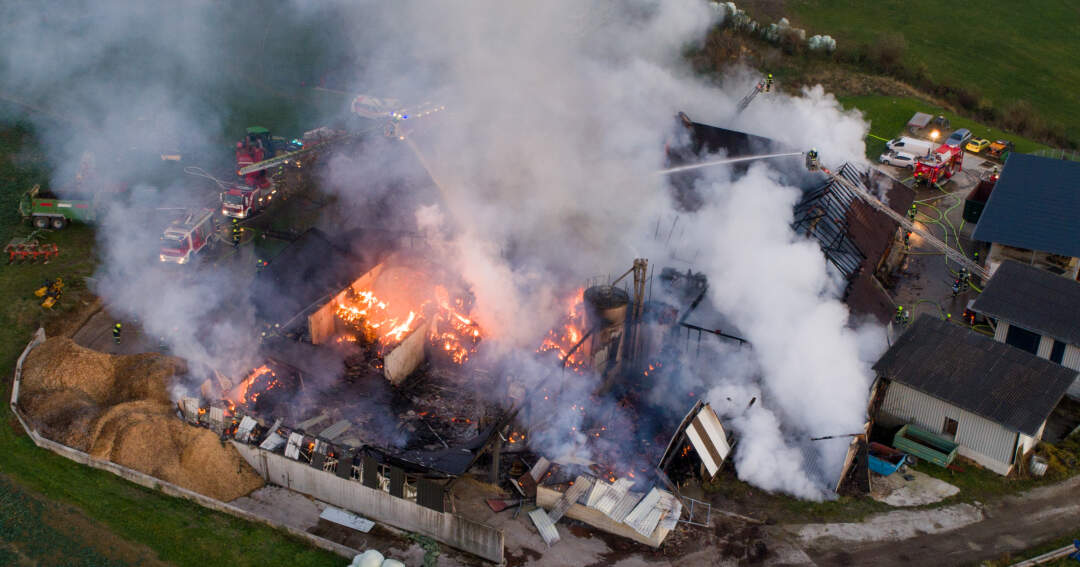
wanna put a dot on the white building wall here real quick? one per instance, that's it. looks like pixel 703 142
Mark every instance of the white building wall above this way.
pixel 981 440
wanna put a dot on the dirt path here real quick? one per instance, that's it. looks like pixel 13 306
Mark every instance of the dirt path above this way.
pixel 1010 524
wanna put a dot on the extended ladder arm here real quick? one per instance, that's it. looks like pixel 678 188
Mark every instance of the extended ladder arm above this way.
pixel 746 100
pixel 950 252
pixel 283 158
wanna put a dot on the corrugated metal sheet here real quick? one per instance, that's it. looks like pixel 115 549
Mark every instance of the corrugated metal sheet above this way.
pixel 1001 332
pixel 642 514
pixel 273 442
pixel 1046 344
pixel 539 469
pixel 671 518
pixel 978 433
pixel 545 526
pixel 625 505
pixel 292 450
pixel 581 485
pixel 243 431
pixel 1072 357
pixel 347 519
pixel 613 495
pixel 335 430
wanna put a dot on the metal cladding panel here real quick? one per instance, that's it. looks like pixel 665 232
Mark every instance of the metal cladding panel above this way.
pixel 545 526
pixel 1046 344
pixel 397 482
pixel 429 494
pixel 709 439
pixel 1072 357
pixel 369 472
pixel 974 432
pixel 1001 332
pixel 625 505
pixel 345 464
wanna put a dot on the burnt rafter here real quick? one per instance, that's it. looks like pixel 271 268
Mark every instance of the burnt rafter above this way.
pixel 824 213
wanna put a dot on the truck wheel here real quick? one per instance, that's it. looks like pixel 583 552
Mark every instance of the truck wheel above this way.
pixel 59 223
pixel 41 222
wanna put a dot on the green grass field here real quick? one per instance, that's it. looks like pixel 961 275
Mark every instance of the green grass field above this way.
pixel 1006 51
pixel 177 531
pixel 888 116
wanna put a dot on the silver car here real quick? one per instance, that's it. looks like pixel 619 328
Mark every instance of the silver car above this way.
pixel 958 138
pixel 898 159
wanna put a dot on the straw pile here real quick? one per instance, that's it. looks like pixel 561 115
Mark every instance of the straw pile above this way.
pixel 116 407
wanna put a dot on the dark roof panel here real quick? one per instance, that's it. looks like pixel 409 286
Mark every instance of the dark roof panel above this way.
pixel 1033 299
pixel 994 380
pixel 1034 206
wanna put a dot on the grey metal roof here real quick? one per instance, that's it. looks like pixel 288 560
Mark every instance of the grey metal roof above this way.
pixel 1034 206
pixel 1033 299
pixel 994 380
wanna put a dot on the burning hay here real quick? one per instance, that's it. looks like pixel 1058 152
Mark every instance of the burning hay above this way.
pixel 117 408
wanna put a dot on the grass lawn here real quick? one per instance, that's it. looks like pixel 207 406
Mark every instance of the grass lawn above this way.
pixel 888 116
pixel 1007 51
pixel 178 531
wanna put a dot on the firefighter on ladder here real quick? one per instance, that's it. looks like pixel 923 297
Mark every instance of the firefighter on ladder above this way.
pixel 116 332
pixel 237 232
pixel 812 163
pixel 914 210
pixel 768 83
pixel 902 317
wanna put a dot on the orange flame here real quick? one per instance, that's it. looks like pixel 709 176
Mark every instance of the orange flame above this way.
pixel 569 333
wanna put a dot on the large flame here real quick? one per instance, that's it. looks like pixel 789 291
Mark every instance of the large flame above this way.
pixel 247 392
pixel 451 330
pixel 569 333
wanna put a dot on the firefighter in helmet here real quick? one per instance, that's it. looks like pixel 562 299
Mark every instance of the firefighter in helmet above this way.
pixel 899 315
pixel 914 210
pixel 812 159
pixel 237 232
pixel 116 332
pixel 768 83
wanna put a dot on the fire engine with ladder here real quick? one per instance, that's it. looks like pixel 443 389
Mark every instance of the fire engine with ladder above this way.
pixel 188 236
pixel 388 112
pixel 940 165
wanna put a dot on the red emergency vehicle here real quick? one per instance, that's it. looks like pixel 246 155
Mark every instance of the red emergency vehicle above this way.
pixel 940 165
pixel 186 237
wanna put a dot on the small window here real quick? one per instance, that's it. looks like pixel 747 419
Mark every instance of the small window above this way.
pixel 950 427
pixel 1058 352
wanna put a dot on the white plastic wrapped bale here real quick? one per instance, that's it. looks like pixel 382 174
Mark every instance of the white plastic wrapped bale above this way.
pixel 369 558
pixel 392 563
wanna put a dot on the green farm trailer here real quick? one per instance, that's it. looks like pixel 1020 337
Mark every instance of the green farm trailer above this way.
pixel 47 210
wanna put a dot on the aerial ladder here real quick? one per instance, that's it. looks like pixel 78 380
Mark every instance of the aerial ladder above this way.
pixel 813 164
pixel 764 85
pixel 388 112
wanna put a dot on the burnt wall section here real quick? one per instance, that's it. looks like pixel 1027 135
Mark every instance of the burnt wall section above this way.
pixel 458 532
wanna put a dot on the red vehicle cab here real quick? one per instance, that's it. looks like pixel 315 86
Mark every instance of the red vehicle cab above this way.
pixel 940 165
pixel 188 236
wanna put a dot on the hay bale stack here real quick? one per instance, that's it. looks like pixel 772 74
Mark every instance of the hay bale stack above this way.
pixel 117 407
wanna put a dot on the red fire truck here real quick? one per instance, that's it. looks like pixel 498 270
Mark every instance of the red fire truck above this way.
pixel 940 165
pixel 242 201
pixel 186 237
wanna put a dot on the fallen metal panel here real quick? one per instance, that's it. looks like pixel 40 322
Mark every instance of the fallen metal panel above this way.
pixel 570 497
pixel 335 430
pixel 243 431
pixel 292 450
pixel 614 494
pixel 347 519
pixel 273 442
pixel 625 505
pixel 539 469
pixel 545 526
pixel 709 439
pixel 429 494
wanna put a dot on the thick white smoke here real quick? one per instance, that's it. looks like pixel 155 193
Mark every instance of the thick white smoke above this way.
pixel 557 118
pixel 557 114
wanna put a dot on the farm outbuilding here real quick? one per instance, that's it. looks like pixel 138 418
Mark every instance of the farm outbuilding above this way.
pixel 1035 311
pixel 991 399
pixel 1031 215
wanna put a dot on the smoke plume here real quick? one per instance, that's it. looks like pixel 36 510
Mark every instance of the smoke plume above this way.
pixel 544 164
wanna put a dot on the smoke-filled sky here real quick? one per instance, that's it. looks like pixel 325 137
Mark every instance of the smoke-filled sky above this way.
pixel 557 114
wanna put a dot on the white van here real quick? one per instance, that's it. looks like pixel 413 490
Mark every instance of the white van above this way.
pixel 910 145
pixel 898 159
